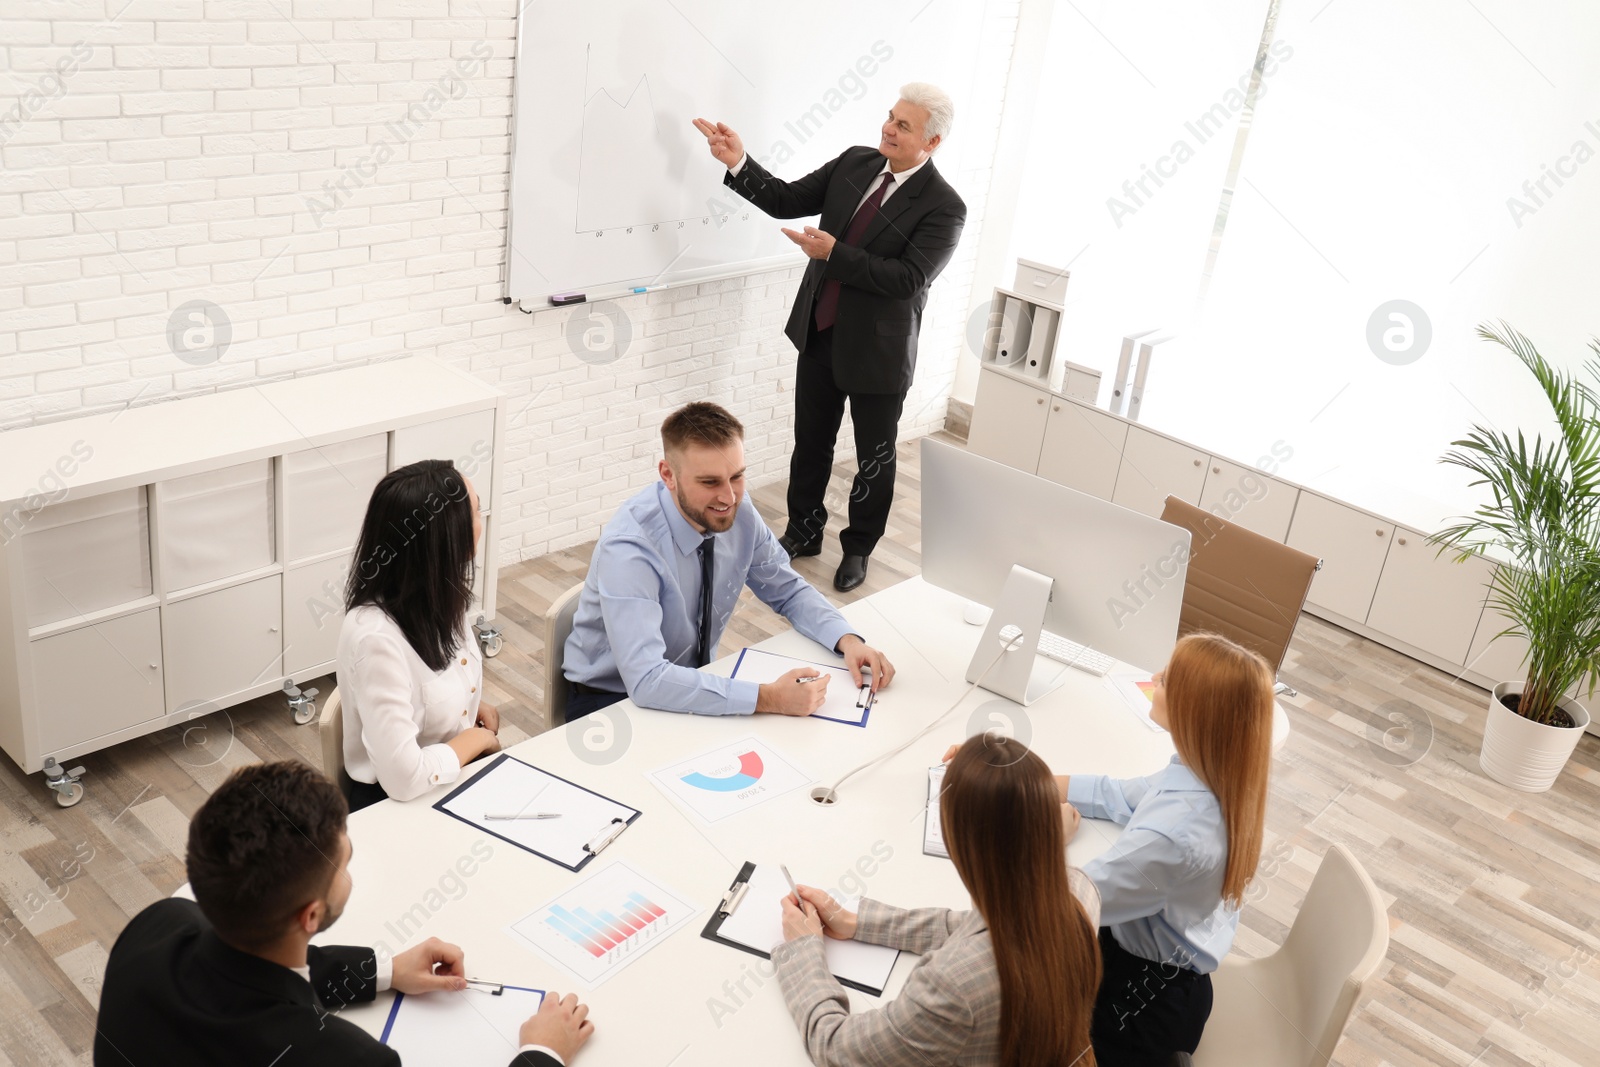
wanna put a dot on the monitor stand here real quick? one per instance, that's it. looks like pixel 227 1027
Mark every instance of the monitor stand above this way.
pixel 1022 605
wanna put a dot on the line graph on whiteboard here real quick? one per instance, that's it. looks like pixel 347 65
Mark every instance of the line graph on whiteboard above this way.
pixel 633 165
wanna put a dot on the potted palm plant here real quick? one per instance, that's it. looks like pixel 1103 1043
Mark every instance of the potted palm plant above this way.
pixel 1542 524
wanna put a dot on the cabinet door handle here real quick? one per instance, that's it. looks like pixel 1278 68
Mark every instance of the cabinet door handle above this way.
pixel 1055 407
pixel 272 629
pixel 1402 540
pixel 1197 463
pixel 1216 470
pixel 1379 533
pixel 155 666
pixel 1039 401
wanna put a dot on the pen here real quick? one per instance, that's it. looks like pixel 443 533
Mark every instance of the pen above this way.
pixel 522 815
pixel 813 678
pixel 792 887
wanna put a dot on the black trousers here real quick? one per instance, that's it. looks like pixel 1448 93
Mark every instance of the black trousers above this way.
pixel 580 704
pixel 818 414
pixel 1146 1011
pixel 360 794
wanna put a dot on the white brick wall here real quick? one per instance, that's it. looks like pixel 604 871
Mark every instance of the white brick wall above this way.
pixel 162 151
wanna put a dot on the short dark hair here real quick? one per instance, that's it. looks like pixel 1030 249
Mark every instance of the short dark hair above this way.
pixel 261 847
pixel 701 423
pixel 413 558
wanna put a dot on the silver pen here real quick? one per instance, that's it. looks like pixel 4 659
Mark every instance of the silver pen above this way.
pixel 522 815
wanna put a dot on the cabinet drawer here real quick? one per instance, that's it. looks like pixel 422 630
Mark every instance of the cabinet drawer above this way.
pixel 222 643
pixel 1428 600
pixel 1155 467
pixel 1082 448
pixel 1247 497
pixel 313 611
pixel 1498 658
pixel 1352 546
pixel 97 680
pixel 1008 419
pixel 467 440
pixel 325 494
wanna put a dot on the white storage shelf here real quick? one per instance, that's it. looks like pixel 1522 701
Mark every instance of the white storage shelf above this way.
pixel 1380 579
pixel 142 595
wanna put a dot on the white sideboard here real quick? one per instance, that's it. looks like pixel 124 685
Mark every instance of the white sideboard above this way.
pixel 166 561
pixel 1379 578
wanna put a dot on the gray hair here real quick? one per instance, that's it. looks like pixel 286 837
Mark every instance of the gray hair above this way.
pixel 941 112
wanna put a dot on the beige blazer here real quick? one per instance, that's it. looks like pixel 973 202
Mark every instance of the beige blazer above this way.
pixel 949 1010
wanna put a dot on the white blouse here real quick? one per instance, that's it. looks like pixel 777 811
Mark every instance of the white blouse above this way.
pixel 398 714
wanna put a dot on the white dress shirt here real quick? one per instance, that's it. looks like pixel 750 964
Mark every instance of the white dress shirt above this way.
pixel 398 714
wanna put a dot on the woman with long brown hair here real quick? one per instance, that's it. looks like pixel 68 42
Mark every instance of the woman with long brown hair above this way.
pixel 1172 885
pixel 1011 982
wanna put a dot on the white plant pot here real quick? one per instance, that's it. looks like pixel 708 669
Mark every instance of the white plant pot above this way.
pixel 1524 754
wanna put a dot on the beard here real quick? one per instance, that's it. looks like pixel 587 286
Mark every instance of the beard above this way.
pixel 706 519
pixel 329 917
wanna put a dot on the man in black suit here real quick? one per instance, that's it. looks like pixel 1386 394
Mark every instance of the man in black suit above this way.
pixel 230 977
pixel 889 224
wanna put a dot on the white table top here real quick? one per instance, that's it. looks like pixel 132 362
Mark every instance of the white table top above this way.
pixel 405 855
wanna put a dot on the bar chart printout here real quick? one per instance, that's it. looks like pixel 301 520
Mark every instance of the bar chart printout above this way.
pixel 604 923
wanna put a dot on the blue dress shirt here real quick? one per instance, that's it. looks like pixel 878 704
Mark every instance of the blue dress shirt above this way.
pixel 639 613
pixel 1161 883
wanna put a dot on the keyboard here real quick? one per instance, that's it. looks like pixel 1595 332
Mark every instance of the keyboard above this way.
pixel 1058 648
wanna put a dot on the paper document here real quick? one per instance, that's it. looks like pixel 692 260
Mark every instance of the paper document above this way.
pixel 1137 689
pixel 932 832
pixel 730 779
pixel 448 1029
pixel 846 702
pixel 758 924
pixel 604 923
pixel 510 787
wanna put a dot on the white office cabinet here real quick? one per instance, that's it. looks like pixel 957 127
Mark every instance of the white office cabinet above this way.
pixel 466 439
pixel 1155 467
pixel 215 525
pixel 123 689
pixel 1351 544
pixel 86 555
pixel 1428 600
pixel 1247 497
pixel 1498 659
pixel 220 644
pixel 326 491
pixel 1082 448
pixel 211 535
pixel 313 610
pixel 1008 420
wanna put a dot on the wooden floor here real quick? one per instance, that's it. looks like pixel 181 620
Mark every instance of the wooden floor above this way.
pixel 1492 893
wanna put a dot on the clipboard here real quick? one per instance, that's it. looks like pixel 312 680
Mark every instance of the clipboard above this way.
pixel 589 849
pixel 438 1034
pixel 737 895
pixel 851 704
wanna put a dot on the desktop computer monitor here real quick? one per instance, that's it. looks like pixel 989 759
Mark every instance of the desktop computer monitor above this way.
pixel 1114 577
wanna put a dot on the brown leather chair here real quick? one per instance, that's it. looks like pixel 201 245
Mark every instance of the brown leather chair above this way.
pixel 1239 584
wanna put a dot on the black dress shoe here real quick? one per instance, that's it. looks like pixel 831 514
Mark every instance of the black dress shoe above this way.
pixel 796 549
pixel 852 572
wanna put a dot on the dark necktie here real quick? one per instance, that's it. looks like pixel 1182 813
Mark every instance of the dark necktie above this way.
pixel 828 302
pixel 702 652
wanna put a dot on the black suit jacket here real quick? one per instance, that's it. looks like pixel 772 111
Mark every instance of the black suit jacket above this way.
pixel 884 280
pixel 176 995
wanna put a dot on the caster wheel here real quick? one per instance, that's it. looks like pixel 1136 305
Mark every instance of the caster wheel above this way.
pixel 492 645
pixel 305 713
pixel 69 796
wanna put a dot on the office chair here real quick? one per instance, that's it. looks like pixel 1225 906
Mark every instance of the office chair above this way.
pixel 557 625
pixel 1239 584
pixel 1289 1009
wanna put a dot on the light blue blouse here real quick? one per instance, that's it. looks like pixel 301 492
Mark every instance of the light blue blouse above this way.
pixel 1161 882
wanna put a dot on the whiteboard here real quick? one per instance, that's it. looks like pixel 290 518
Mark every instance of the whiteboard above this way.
pixel 611 185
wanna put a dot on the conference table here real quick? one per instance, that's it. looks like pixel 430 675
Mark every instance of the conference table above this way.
pixel 688 1000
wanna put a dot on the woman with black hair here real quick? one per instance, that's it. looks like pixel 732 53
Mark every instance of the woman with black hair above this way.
pixel 410 671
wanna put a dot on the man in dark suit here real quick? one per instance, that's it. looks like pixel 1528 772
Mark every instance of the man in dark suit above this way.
pixel 889 223
pixel 230 977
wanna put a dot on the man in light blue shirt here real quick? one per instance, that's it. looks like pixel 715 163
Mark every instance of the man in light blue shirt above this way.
pixel 665 577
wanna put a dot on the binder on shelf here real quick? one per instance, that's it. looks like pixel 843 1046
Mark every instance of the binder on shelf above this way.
pixel 1040 354
pixel 738 922
pixel 1016 320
